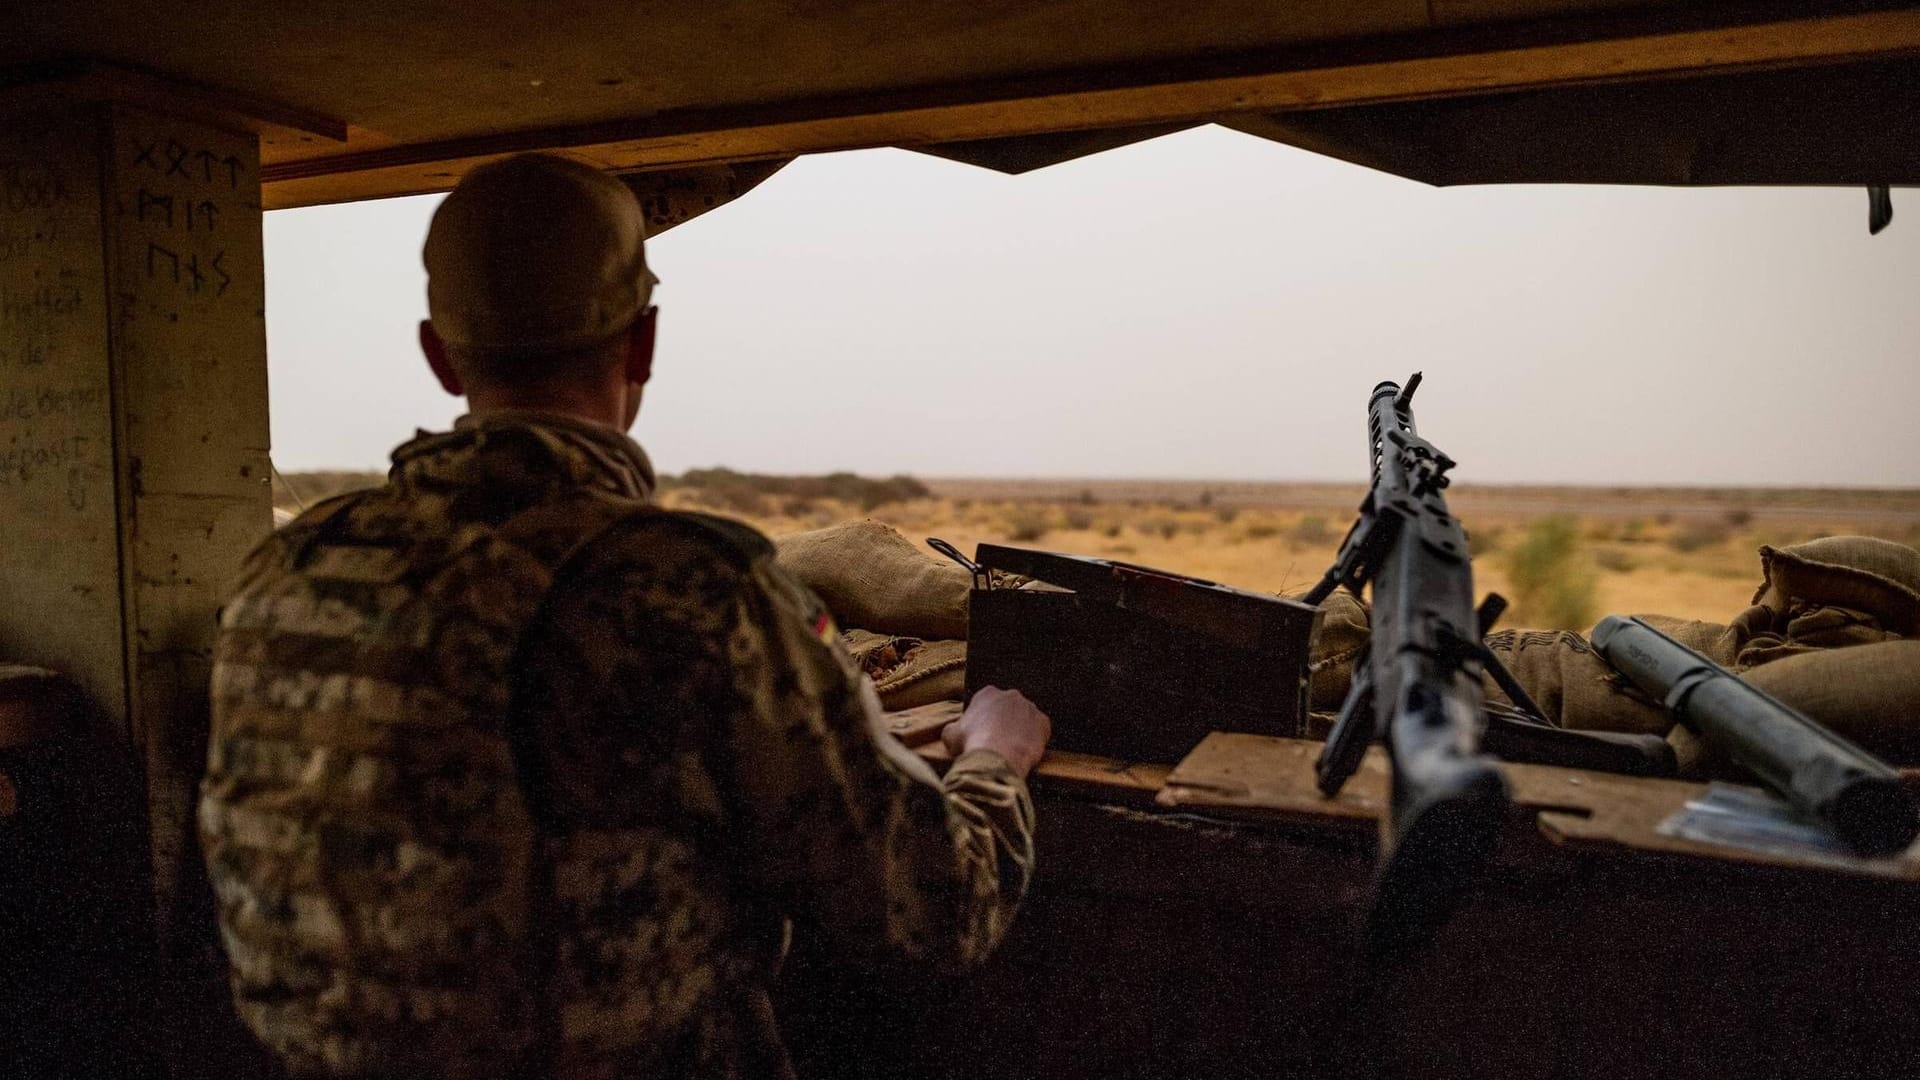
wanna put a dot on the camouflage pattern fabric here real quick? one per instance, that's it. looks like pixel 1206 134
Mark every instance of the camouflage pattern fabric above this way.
pixel 513 775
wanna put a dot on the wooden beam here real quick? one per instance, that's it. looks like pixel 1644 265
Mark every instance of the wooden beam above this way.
pixel 954 114
pixel 101 81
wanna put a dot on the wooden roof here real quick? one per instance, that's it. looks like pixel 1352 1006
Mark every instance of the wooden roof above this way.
pixel 356 100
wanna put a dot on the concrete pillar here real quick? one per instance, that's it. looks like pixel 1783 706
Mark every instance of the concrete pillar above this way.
pixel 133 450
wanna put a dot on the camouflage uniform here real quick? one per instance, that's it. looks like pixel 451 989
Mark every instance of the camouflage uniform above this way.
pixel 514 775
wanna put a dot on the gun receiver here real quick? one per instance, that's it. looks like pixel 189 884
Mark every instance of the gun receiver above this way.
pixel 1820 773
pixel 1419 687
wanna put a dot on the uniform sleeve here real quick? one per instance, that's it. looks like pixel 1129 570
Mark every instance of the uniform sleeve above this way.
pixel 852 831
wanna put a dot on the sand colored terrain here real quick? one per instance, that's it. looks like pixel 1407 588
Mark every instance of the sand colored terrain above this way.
pixel 1689 552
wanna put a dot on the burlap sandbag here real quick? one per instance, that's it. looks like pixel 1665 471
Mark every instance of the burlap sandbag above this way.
pixel 1330 658
pixel 873 578
pixel 909 672
pixel 1577 689
pixel 1877 578
pixel 1831 593
pixel 1824 595
pixel 1869 694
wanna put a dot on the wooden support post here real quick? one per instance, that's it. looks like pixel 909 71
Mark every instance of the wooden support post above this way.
pixel 133 455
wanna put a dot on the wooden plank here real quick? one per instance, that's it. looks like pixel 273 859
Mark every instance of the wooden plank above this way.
pixel 1084 775
pixel 996 109
pixel 1270 779
pixel 1260 778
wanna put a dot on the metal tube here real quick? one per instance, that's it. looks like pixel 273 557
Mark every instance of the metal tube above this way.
pixel 1819 772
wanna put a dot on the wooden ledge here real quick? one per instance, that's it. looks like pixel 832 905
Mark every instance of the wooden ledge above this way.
pixel 1256 777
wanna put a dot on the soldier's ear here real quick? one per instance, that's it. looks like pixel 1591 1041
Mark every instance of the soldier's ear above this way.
pixel 640 341
pixel 436 354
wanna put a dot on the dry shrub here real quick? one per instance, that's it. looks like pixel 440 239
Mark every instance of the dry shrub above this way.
pixel 1698 535
pixel 1261 530
pixel 1166 528
pixel 1613 562
pixel 1739 517
pixel 743 501
pixel 1226 514
pixel 1486 541
pixel 1552 581
pixel 728 488
pixel 1078 519
pixel 1310 531
pixel 1026 525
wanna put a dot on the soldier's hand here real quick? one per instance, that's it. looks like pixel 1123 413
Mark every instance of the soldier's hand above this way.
pixel 1002 721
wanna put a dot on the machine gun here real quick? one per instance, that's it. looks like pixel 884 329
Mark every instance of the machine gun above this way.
pixel 1418 687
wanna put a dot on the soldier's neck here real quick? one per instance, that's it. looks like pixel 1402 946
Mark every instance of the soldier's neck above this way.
pixel 607 405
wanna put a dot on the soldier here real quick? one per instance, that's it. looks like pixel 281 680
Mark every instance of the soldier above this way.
pixel 514 775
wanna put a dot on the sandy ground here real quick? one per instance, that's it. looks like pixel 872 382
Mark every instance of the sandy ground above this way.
pixel 1679 552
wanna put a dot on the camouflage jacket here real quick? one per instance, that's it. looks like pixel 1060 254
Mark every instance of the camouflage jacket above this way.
pixel 512 774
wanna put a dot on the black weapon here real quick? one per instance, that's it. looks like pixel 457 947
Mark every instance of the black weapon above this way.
pixel 1419 685
pixel 1823 775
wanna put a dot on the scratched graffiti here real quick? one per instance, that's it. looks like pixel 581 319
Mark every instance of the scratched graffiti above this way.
pixel 55 449
pixel 179 194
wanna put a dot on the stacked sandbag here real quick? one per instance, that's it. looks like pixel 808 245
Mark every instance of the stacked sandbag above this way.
pixel 1828 633
pixel 902 609
pixel 873 578
pixel 1577 689
pixel 909 672
pixel 1842 614
pixel 1336 647
pixel 1831 593
pixel 1870 694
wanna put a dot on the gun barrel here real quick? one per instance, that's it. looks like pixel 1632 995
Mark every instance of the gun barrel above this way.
pixel 1819 772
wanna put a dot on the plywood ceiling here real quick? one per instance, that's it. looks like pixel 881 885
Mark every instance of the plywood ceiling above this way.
pixel 420 91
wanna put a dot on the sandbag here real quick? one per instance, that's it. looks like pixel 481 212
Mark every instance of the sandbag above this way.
pixel 1877 578
pixel 1335 648
pixel 909 672
pixel 1869 694
pixel 1577 689
pixel 873 578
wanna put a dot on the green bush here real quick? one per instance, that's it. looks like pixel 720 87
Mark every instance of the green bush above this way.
pixel 1553 581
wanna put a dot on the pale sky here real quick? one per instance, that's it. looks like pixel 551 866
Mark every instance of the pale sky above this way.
pixel 1207 305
